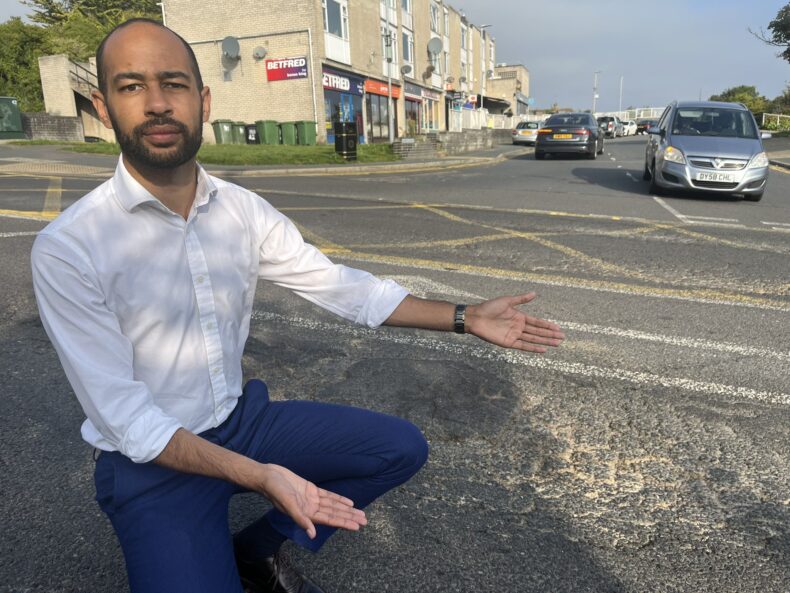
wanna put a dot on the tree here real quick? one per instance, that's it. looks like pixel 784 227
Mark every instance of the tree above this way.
pixel 104 12
pixel 780 32
pixel 22 45
pixel 747 95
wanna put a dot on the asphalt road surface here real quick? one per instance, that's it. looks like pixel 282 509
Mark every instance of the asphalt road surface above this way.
pixel 651 452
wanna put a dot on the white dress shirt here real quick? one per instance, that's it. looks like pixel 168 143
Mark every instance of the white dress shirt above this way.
pixel 149 313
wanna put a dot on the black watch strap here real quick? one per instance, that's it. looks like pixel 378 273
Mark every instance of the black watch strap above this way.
pixel 459 323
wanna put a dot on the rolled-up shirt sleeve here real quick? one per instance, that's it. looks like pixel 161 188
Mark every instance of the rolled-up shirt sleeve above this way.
pixel 288 261
pixel 96 356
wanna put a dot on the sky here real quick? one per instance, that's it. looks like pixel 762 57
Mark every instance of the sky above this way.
pixel 662 49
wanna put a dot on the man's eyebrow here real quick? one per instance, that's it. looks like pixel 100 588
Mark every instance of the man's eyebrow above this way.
pixel 164 75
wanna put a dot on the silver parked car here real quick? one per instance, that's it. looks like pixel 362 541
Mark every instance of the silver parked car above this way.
pixel 709 146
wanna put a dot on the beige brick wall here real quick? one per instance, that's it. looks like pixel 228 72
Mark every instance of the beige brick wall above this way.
pixel 240 90
pixel 56 85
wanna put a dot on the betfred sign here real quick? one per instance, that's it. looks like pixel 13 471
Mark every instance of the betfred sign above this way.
pixel 342 82
pixel 286 69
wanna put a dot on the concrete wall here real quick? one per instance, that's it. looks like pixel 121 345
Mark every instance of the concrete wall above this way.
pixel 56 85
pixel 454 143
pixel 43 126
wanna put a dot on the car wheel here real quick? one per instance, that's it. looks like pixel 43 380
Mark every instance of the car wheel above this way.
pixel 600 150
pixel 654 189
pixel 646 174
pixel 593 154
pixel 753 197
pixel 539 155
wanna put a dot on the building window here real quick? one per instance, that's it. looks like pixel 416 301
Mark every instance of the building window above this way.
pixel 434 17
pixel 336 17
pixel 408 47
pixel 463 37
pixel 390 53
pixel 406 5
pixel 446 22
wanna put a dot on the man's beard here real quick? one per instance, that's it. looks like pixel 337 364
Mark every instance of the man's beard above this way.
pixel 133 147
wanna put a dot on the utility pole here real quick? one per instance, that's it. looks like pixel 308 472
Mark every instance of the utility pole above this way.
pixel 485 65
pixel 389 45
pixel 595 89
pixel 620 109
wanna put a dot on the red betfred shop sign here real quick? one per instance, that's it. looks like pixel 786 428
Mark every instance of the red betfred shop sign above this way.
pixel 286 69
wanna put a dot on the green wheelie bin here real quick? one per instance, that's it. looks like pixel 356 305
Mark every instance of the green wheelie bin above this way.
pixel 305 130
pixel 239 132
pixel 288 130
pixel 268 131
pixel 223 131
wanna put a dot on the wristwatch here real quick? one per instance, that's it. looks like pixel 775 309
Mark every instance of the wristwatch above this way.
pixel 459 322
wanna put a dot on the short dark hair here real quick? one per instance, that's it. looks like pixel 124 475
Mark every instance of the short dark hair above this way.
pixel 100 73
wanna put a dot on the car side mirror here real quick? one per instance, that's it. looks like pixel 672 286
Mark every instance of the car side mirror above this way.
pixel 656 130
pixel 766 135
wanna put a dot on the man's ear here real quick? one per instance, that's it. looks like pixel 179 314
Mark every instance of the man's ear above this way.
pixel 205 94
pixel 100 105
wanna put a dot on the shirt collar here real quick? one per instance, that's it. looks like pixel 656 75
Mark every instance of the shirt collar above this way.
pixel 132 194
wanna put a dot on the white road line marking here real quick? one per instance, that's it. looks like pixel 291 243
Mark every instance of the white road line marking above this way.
pixel 675 213
pixel 775 224
pixel 521 359
pixel 18 234
pixel 612 159
pixel 675 341
pixel 781 229
pixel 712 218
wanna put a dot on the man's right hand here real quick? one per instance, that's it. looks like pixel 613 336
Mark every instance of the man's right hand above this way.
pixel 303 501
pixel 308 504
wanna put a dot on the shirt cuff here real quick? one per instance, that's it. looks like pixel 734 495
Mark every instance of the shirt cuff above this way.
pixel 381 302
pixel 148 435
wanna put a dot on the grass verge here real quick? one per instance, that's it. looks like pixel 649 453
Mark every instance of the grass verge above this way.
pixel 250 154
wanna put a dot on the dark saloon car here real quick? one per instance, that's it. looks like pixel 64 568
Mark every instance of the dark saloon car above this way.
pixel 570 133
pixel 643 124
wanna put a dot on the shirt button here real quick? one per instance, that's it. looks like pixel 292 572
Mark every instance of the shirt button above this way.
pixel 210 325
pixel 215 370
pixel 200 279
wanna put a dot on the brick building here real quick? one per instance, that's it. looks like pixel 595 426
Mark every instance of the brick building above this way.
pixel 329 60
pixel 322 61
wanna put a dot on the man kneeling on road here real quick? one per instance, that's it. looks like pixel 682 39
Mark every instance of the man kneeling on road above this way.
pixel 145 287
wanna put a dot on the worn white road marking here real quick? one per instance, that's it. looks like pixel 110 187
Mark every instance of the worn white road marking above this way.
pixel 18 234
pixel 711 218
pixel 675 340
pixel 776 224
pixel 670 209
pixel 518 358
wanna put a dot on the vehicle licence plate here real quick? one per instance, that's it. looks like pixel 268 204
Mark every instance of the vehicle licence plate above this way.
pixel 562 136
pixel 716 176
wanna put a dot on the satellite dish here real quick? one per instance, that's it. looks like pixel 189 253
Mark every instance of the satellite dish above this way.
pixel 230 48
pixel 435 46
pixel 430 69
pixel 259 53
pixel 462 79
pixel 405 69
pixel 450 79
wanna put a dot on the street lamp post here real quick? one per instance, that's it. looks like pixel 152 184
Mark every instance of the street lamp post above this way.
pixel 388 44
pixel 595 89
pixel 621 94
pixel 485 66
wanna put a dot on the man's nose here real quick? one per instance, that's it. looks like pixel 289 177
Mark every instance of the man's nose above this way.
pixel 156 101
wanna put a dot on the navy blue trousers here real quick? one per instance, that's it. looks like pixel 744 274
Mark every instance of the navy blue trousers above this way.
pixel 173 527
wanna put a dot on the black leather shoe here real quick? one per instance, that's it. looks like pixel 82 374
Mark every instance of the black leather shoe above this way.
pixel 275 574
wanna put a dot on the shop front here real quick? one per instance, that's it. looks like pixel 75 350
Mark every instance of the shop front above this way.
pixel 376 104
pixel 430 110
pixel 412 96
pixel 343 94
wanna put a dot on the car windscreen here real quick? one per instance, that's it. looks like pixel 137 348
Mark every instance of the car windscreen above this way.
pixel 714 121
pixel 605 119
pixel 568 120
pixel 527 125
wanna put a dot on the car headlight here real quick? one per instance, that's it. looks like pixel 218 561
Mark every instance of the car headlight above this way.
pixel 759 161
pixel 674 155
